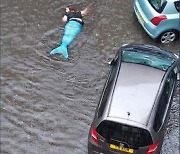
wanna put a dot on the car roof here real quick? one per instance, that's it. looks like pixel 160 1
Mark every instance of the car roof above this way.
pixel 135 91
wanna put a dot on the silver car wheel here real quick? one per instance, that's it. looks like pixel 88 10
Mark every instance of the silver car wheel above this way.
pixel 168 37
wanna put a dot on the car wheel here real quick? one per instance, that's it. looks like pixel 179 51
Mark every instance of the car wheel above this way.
pixel 168 36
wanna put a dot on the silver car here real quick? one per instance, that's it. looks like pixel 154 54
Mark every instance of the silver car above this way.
pixel 132 113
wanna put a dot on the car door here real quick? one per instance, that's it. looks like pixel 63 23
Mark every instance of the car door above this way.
pixel 164 106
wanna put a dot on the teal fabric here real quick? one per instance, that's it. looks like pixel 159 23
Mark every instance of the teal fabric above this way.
pixel 71 30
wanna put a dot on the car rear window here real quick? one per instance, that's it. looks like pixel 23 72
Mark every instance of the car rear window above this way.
pixel 131 137
pixel 177 5
pixel 162 62
pixel 158 5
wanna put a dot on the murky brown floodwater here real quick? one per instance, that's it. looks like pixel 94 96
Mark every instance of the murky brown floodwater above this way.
pixel 48 103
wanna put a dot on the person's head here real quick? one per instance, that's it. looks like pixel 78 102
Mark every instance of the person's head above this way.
pixel 70 9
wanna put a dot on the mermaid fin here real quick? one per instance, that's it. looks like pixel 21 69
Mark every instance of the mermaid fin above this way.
pixel 61 50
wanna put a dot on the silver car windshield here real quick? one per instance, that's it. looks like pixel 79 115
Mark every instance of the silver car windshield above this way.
pixel 160 62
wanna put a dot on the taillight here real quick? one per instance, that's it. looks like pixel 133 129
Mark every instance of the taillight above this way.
pixel 152 149
pixel 94 136
pixel 156 20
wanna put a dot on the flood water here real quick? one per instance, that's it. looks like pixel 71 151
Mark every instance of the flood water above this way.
pixel 48 103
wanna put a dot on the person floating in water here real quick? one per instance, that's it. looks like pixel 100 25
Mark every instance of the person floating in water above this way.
pixel 74 25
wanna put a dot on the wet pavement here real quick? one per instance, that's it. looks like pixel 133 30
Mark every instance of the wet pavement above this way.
pixel 48 103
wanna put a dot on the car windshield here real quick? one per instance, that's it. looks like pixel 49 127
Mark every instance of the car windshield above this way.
pixel 162 62
pixel 158 5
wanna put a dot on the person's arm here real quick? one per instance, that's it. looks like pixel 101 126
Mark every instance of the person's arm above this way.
pixel 64 19
pixel 85 11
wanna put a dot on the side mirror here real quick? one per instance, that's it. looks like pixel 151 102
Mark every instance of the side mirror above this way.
pixel 111 62
pixel 178 77
pixel 178 71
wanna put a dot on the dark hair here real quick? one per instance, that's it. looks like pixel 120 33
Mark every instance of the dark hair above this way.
pixel 72 9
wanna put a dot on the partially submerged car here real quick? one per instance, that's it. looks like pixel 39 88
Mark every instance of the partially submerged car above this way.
pixel 159 18
pixel 133 110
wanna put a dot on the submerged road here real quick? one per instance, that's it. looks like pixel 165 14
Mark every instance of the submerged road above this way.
pixel 48 103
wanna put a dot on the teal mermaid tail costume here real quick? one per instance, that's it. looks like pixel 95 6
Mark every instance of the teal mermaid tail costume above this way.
pixel 71 30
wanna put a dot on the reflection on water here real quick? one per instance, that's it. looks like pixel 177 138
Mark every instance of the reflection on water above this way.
pixel 47 102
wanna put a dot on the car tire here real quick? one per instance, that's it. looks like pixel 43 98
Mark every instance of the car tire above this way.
pixel 168 36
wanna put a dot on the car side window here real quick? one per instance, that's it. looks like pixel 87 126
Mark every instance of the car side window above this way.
pixel 170 82
pixel 158 5
pixel 108 87
pixel 164 101
pixel 177 5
